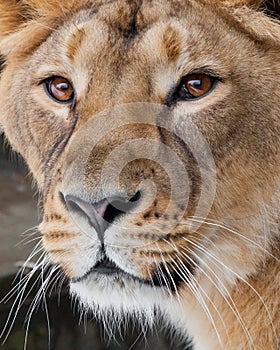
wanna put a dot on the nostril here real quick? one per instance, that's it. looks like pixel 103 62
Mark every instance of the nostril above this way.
pixel 114 209
pixel 120 205
pixel 136 197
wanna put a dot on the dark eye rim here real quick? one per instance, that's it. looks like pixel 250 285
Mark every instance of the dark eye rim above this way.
pixel 46 85
pixel 175 97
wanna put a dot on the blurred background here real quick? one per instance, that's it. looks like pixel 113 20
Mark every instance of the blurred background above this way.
pixel 63 328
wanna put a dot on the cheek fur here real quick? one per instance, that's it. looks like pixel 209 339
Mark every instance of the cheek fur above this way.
pixel 215 275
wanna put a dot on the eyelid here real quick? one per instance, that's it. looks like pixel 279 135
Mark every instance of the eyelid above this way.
pixel 214 71
pixel 40 77
pixel 205 71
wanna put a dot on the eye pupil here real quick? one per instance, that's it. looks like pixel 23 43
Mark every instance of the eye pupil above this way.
pixel 60 89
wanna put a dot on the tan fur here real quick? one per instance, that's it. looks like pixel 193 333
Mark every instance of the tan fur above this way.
pixel 117 52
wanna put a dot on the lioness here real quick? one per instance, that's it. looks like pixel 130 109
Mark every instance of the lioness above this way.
pixel 152 130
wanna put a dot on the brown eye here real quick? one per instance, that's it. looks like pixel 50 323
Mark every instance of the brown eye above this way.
pixel 59 89
pixel 195 85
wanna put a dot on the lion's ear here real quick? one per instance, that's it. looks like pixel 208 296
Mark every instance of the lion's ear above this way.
pixel 25 23
pixel 271 7
pixel 16 13
pixel 12 16
pixel 255 17
pixel 255 3
pixel 19 25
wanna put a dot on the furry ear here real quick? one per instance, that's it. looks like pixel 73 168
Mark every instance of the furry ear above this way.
pixel 17 18
pixel 25 23
pixel 12 15
pixel 238 3
pixel 271 7
pixel 253 3
pixel 15 13
pixel 256 18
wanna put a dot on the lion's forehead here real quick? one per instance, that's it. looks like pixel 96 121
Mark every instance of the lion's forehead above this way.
pixel 140 59
pixel 156 30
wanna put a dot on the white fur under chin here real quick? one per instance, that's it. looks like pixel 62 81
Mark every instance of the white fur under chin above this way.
pixel 113 299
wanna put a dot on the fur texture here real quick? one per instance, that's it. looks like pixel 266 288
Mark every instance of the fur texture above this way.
pixel 207 256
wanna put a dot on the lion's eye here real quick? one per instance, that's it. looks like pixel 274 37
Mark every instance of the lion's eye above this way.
pixel 60 89
pixel 194 86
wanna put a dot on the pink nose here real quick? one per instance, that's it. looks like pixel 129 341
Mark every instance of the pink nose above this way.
pixel 103 213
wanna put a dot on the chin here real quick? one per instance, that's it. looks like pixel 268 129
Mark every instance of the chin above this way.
pixel 119 296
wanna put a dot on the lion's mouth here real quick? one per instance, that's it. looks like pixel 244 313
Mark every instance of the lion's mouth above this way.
pixel 107 267
pixel 163 277
pixel 102 267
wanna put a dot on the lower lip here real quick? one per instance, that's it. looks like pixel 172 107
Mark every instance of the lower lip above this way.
pixel 106 271
pixel 99 271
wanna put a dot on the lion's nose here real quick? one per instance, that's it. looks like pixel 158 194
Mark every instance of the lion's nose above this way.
pixel 103 213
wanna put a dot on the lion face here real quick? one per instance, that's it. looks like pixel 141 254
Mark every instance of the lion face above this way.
pixel 153 134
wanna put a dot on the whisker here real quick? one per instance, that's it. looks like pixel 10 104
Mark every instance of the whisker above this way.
pixel 40 295
pixel 27 234
pixel 165 283
pixel 169 274
pixel 17 304
pixel 137 340
pixel 230 303
pixel 234 232
pixel 186 276
pixel 36 250
pixel 28 276
pixel 215 258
